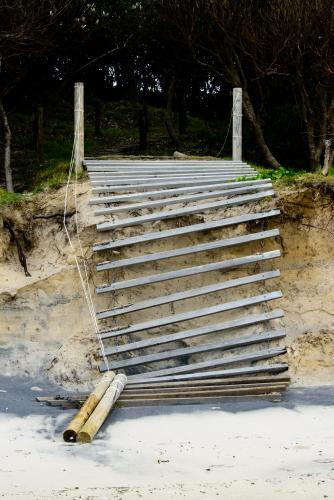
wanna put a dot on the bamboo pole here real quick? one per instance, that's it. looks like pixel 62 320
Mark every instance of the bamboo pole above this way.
pixel 102 410
pixel 71 431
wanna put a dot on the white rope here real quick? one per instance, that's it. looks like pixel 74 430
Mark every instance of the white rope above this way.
pixel 84 278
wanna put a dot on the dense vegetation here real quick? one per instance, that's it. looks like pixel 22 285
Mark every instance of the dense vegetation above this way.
pixel 159 75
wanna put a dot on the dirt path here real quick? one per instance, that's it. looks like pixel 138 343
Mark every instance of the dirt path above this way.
pixel 257 450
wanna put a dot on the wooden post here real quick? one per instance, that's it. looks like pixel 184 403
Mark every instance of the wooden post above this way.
pixel 237 125
pixel 102 410
pixel 327 157
pixel 71 431
pixel 78 125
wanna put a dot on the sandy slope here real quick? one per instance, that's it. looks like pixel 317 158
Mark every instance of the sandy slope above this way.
pixel 45 327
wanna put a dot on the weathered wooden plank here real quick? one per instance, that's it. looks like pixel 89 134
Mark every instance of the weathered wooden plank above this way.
pixel 211 382
pixel 239 322
pixel 178 252
pixel 120 176
pixel 168 181
pixel 183 199
pixel 213 363
pixel 158 235
pixel 188 387
pixel 115 188
pixel 188 351
pixel 189 271
pixel 166 173
pixel 171 214
pixel 188 400
pixel 195 292
pixel 204 389
pixel 160 193
pixel 166 394
pixel 189 315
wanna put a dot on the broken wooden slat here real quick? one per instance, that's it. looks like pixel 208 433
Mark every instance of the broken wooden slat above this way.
pixel 166 192
pixel 171 214
pixel 195 292
pixel 188 351
pixel 178 252
pixel 183 199
pixel 169 233
pixel 239 322
pixel 189 271
pixel 185 316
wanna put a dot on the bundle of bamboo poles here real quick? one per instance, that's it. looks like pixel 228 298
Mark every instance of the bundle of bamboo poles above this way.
pixel 89 419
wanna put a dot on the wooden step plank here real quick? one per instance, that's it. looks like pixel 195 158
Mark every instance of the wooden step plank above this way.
pixel 96 176
pixel 115 188
pixel 168 181
pixel 195 292
pixel 211 382
pixel 160 193
pixel 239 322
pixel 214 363
pixel 200 392
pixel 169 233
pixel 189 391
pixel 167 174
pixel 183 199
pixel 189 315
pixel 178 252
pixel 171 214
pixel 188 351
pixel 231 372
pixel 187 388
pixel 189 271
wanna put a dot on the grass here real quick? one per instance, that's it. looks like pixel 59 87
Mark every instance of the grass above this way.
pixel 10 199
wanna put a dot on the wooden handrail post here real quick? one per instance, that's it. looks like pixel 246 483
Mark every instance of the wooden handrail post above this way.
pixel 237 125
pixel 79 125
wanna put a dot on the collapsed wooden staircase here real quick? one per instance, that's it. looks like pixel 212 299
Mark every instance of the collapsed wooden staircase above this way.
pixel 235 365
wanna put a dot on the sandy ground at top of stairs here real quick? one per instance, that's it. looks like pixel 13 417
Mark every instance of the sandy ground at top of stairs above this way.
pixel 237 450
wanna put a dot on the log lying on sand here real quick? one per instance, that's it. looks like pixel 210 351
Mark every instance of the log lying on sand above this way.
pixel 71 431
pixel 96 419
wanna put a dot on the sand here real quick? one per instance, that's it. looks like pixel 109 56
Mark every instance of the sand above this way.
pixel 235 451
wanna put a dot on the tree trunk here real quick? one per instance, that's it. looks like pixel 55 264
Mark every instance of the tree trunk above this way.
pixel 254 121
pixel 182 111
pixel 7 155
pixel 169 114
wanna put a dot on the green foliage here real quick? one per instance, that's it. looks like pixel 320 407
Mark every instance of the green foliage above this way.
pixel 10 198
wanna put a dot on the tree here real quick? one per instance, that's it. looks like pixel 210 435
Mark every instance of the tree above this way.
pixel 305 31
pixel 222 36
pixel 26 32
